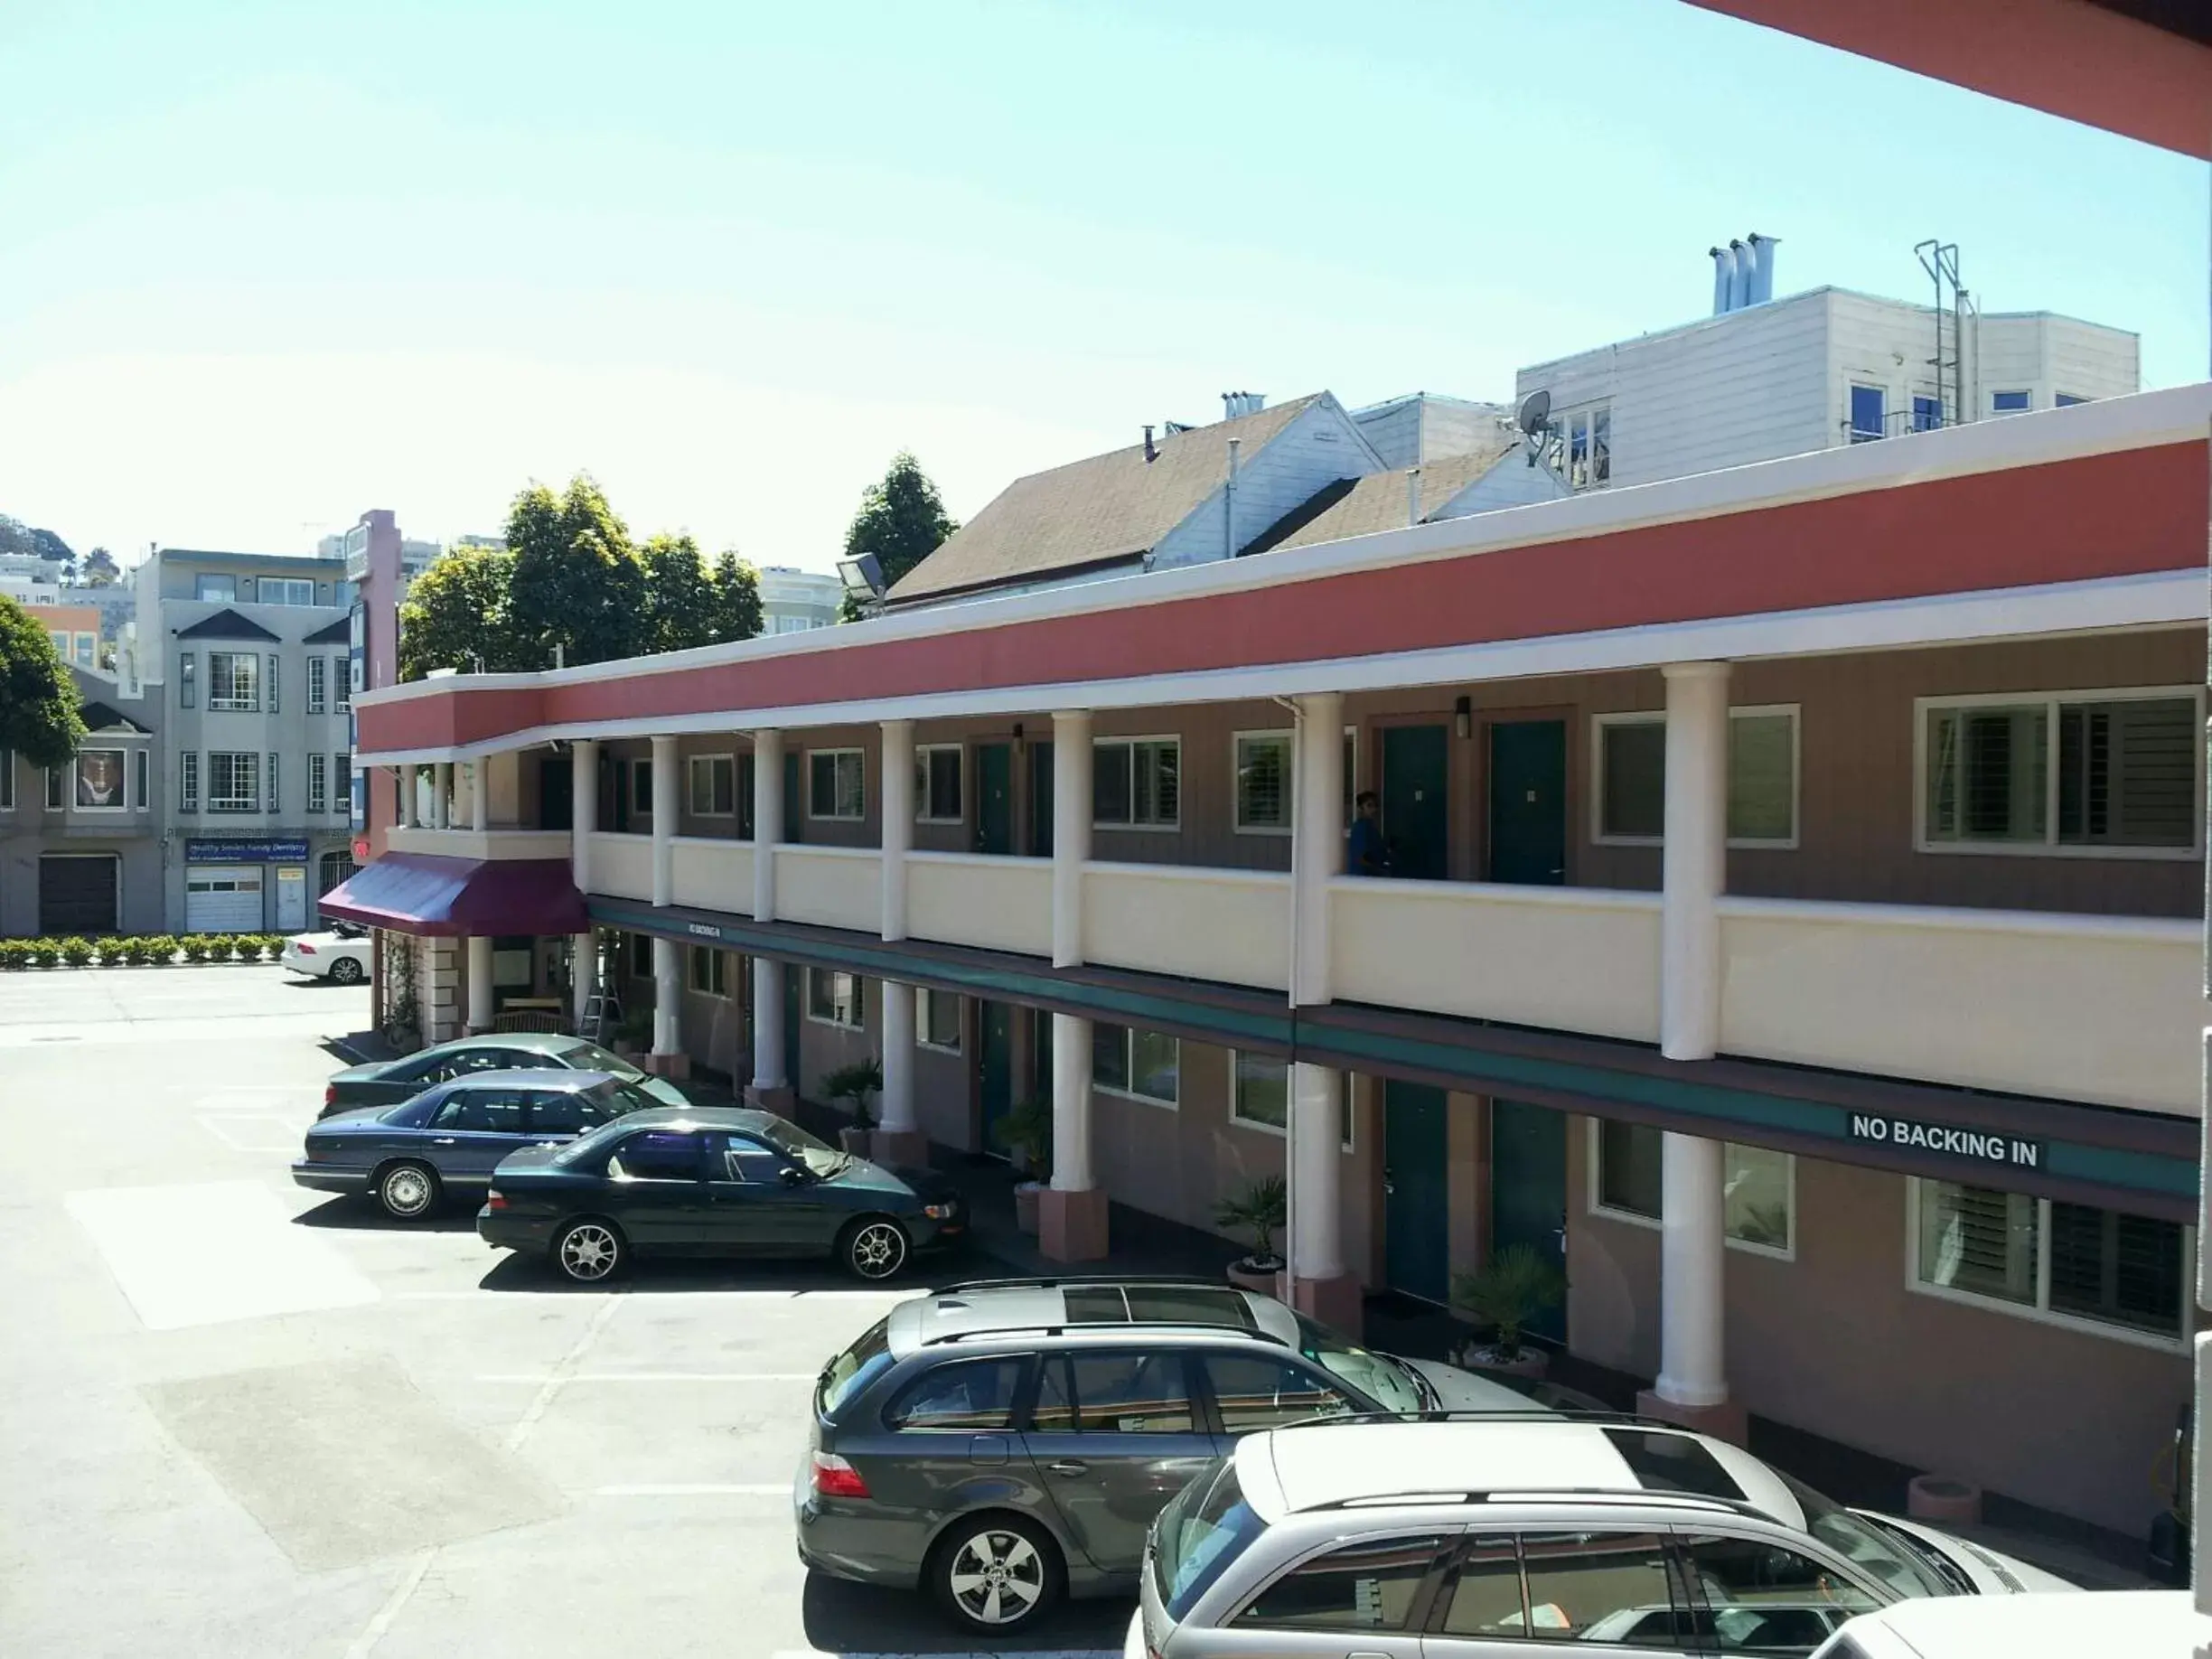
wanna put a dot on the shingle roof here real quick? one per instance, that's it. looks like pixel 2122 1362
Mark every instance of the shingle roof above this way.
pixel 225 625
pixel 1094 511
pixel 1378 502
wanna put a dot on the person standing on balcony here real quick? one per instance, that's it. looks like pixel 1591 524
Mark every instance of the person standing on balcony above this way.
pixel 1368 854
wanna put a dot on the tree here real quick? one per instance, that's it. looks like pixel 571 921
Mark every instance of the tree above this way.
pixel 736 598
pixel 459 615
pixel 578 584
pixel 902 521
pixel 52 548
pixel 680 596
pixel 16 537
pixel 39 700
pixel 99 569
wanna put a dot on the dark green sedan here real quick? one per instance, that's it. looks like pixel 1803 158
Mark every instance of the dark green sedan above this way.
pixel 712 1181
pixel 386 1083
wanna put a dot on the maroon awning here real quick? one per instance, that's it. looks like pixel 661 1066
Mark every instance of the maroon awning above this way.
pixel 422 893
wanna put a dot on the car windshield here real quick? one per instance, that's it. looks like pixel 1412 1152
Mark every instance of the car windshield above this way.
pixel 802 1147
pixel 1390 1385
pixel 1204 1529
pixel 584 1145
pixel 591 1057
pixel 1874 1550
pixel 617 1096
pixel 854 1369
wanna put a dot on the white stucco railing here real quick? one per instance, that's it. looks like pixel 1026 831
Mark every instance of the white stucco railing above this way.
pixel 1229 925
pixel 830 886
pixel 2108 1010
pixel 712 874
pixel 1572 959
pixel 621 865
pixel 1000 904
pixel 480 843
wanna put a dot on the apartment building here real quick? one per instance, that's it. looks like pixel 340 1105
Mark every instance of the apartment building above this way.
pixel 81 846
pixel 249 655
pixel 1805 952
pixel 793 600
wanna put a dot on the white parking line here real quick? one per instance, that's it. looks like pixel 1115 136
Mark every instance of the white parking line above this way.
pixel 565 1369
pixel 677 1489
pixel 648 1376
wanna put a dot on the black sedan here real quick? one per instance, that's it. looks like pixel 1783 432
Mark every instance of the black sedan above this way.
pixel 386 1083
pixel 455 1134
pixel 712 1181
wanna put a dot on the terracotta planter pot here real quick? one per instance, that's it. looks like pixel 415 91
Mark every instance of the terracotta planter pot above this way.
pixel 1246 1275
pixel 1025 1206
pixel 854 1141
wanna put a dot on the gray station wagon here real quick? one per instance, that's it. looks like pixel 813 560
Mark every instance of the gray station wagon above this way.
pixel 1002 1443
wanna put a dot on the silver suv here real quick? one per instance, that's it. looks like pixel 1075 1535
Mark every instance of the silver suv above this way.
pixel 1502 1538
pixel 1002 1443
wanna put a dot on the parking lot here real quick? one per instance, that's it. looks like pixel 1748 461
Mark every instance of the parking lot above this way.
pixel 244 1420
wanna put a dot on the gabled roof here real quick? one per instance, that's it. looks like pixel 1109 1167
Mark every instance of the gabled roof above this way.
pixel 225 626
pixel 339 632
pixel 1094 511
pixel 1362 506
pixel 101 717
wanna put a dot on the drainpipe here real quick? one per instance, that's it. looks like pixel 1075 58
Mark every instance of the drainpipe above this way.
pixel 1229 543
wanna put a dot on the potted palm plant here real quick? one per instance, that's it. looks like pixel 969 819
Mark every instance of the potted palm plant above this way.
pixel 853 1083
pixel 1515 1286
pixel 1025 1135
pixel 1259 1208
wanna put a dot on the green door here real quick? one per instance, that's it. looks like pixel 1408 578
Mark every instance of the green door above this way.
pixel 1040 800
pixel 795 809
pixel 1528 1191
pixel 994 797
pixel 995 1069
pixel 1416 1191
pixel 1416 823
pixel 1528 801
pixel 794 994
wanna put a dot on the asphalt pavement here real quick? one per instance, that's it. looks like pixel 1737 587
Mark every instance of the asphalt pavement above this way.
pixel 238 1419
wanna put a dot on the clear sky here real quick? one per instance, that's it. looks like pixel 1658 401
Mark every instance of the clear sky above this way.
pixel 269 263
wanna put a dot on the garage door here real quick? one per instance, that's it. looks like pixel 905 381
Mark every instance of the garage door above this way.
pixel 77 893
pixel 223 898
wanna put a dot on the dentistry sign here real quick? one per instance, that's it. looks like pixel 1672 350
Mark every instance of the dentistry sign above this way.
pixel 1948 1140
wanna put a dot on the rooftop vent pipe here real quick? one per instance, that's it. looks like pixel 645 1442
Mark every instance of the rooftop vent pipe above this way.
pixel 1237 403
pixel 1743 272
pixel 1724 278
pixel 1762 254
pixel 1151 452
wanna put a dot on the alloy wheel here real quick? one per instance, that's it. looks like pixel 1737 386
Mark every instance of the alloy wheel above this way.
pixel 407 1191
pixel 996 1577
pixel 877 1250
pixel 588 1251
pixel 345 970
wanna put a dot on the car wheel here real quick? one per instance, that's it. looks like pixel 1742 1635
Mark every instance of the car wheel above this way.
pixel 875 1247
pixel 589 1252
pixel 996 1574
pixel 345 970
pixel 408 1192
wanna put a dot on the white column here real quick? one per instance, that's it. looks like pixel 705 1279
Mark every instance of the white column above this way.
pixel 1071 1045
pixel 1316 1105
pixel 1692 1367
pixel 1071 839
pixel 480 982
pixel 1316 840
pixel 582 821
pixel 404 782
pixel 664 821
pixel 898 1058
pixel 1694 861
pixel 769 1062
pixel 897 836
pixel 667 996
pixel 441 795
pixel 480 795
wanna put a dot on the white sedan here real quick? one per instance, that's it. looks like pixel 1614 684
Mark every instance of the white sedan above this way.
pixel 340 958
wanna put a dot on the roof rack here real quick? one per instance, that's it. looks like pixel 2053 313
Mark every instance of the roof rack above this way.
pixel 1532 1414
pixel 1061 1280
pixel 1073 1327
pixel 1663 1496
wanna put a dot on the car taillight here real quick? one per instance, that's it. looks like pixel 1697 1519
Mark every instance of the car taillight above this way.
pixel 496 1200
pixel 303 947
pixel 836 1478
pixel 330 1095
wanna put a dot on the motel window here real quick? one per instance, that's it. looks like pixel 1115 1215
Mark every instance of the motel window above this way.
pixel 1870 413
pixel 1630 762
pixel 711 782
pixel 2072 1262
pixel 318 782
pixel 1927 413
pixel 2089 772
pixel 219 589
pixel 233 678
pixel 1263 783
pixel 641 787
pixel 937 1020
pixel 188 781
pixel 285 590
pixel 709 970
pixel 836 787
pixel 186 662
pixel 937 784
pixel 1136 783
pixel 318 682
pixel 2012 402
pixel 234 782
pixel 833 997
pixel 1759 1185
pixel 641 956
pixel 1260 1095
pixel 1144 1065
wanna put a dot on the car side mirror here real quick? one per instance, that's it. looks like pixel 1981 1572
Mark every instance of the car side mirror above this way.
pixel 793 1176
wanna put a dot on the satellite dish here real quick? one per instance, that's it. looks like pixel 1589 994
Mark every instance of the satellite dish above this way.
pixel 1534 417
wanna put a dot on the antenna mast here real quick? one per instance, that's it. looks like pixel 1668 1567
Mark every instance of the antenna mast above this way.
pixel 1940 260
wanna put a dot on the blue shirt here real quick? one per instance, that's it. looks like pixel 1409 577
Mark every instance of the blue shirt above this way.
pixel 1366 856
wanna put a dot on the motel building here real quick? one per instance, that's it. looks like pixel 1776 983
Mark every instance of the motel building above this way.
pixel 1791 923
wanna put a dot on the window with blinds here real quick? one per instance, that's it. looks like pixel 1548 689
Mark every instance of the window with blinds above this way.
pixel 1762 777
pixel 1263 783
pixel 2063 772
pixel 2127 774
pixel 1978 1241
pixel 2070 1260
